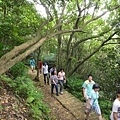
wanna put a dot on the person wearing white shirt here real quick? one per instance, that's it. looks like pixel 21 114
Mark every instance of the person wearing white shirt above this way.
pixel 115 114
pixel 61 79
pixel 45 73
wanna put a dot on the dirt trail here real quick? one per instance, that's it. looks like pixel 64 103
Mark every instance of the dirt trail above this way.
pixel 58 111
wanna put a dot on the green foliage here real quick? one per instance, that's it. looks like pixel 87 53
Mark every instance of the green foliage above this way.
pixel 24 87
pixel 19 19
pixel 51 47
pixel 50 59
pixel 1 107
pixel 75 86
pixel 29 99
pixel 17 70
pixel 106 107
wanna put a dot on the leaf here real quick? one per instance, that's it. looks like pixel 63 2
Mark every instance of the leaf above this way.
pixel 30 99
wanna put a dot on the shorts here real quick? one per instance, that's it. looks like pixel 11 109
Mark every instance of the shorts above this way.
pixel 96 108
pixel 32 67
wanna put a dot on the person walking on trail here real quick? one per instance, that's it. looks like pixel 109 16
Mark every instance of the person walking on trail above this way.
pixel 53 69
pixel 87 89
pixel 45 73
pixel 61 79
pixel 54 82
pixel 40 64
pixel 94 105
pixel 115 114
pixel 32 64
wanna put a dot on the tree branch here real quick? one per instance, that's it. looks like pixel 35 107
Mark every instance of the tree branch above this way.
pixel 95 51
pixel 74 27
pixel 95 36
pixel 93 19
pixel 10 63
pixel 111 43
pixel 96 6
pixel 17 50
pixel 66 31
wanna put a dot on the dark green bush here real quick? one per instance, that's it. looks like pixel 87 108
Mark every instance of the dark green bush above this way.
pixel 18 70
pixel 106 107
pixel 75 86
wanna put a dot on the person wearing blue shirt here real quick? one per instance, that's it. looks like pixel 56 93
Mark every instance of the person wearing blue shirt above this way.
pixel 87 89
pixel 94 102
pixel 32 64
pixel 115 114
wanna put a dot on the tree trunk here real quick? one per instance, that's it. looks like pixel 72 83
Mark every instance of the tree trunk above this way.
pixel 20 57
pixel 17 49
pixel 38 57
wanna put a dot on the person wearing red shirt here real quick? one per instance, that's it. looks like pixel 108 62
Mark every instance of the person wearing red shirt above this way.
pixel 40 64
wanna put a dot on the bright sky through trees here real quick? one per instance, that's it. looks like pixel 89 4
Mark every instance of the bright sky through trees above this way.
pixel 39 8
pixel 42 11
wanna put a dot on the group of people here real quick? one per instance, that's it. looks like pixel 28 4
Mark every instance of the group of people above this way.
pixel 55 78
pixel 90 89
pixel 91 95
pixel 50 77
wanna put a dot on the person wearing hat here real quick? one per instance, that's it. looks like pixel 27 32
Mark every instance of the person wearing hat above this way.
pixel 93 105
pixel 115 114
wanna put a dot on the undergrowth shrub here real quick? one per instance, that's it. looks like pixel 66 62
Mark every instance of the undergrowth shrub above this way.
pixel 106 107
pixel 18 70
pixel 24 87
pixel 75 86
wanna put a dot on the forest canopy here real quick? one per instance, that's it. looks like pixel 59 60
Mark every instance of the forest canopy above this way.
pixel 80 36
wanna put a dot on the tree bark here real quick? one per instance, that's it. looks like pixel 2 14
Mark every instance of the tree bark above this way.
pixel 17 49
pixel 13 61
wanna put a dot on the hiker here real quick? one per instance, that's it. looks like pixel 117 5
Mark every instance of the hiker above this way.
pixel 45 73
pixel 115 114
pixel 40 64
pixel 87 89
pixel 32 64
pixel 54 82
pixel 61 79
pixel 93 104
pixel 53 69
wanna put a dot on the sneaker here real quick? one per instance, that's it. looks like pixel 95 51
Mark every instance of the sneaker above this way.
pixel 57 94
pixel 61 92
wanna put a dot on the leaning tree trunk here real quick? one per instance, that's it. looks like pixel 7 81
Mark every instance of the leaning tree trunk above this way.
pixel 20 57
